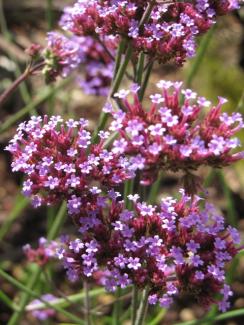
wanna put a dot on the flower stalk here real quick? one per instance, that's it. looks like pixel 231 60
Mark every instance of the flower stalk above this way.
pixel 142 311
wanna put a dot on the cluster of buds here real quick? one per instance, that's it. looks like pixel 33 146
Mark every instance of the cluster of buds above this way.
pixel 60 163
pixel 178 248
pixel 165 30
pixel 41 255
pixel 174 133
pixel 63 55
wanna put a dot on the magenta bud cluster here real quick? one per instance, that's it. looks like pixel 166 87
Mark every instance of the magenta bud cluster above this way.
pixel 164 31
pixel 41 255
pixel 60 163
pixel 178 131
pixel 65 54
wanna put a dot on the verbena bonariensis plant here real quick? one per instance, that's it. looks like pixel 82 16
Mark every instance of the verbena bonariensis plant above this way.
pixel 177 248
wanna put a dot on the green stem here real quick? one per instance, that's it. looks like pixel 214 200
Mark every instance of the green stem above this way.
pixel 154 189
pixel 134 304
pixel 117 308
pixel 49 14
pixel 101 124
pixel 45 94
pixel 23 87
pixel 7 301
pixel 227 315
pixel 145 81
pixel 87 304
pixel 58 222
pixel 142 308
pixel 118 76
pixel 24 298
pixel 205 41
pixel 121 71
pixel 128 189
pixel 140 68
pixel 31 293
pixel 231 211
pixel 120 52
pixel 147 13
pixel 35 277
pixel 157 320
pixel 21 203
pixel 67 301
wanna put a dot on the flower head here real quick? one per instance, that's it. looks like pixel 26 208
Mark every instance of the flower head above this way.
pixel 174 134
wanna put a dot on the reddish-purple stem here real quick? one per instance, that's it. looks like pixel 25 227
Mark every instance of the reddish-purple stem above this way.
pixel 28 72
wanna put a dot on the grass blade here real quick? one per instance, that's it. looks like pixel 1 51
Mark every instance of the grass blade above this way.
pixel 45 94
pixel 7 301
pixel 197 61
pixel 21 203
pixel 31 293
pixel 35 277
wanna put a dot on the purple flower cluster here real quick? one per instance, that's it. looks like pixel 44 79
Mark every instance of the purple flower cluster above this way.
pixel 175 133
pixel 63 55
pixel 60 163
pixel 42 314
pixel 167 31
pixel 98 64
pixel 175 249
pixel 45 251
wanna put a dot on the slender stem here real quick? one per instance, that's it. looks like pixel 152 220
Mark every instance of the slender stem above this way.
pixel 9 37
pixel 145 81
pixel 49 14
pixel 231 210
pixel 227 315
pixel 16 317
pixel 154 189
pixel 87 303
pixel 31 293
pixel 157 320
pixel 101 124
pixel 128 189
pixel 142 308
pixel 65 302
pixel 120 52
pixel 28 72
pixel 140 68
pixel 47 92
pixel 105 48
pixel 109 140
pixel 7 301
pixel 117 308
pixel 121 71
pixel 147 13
pixel 134 304
pixel 20 204
pixel 114 87
pixel 200 56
